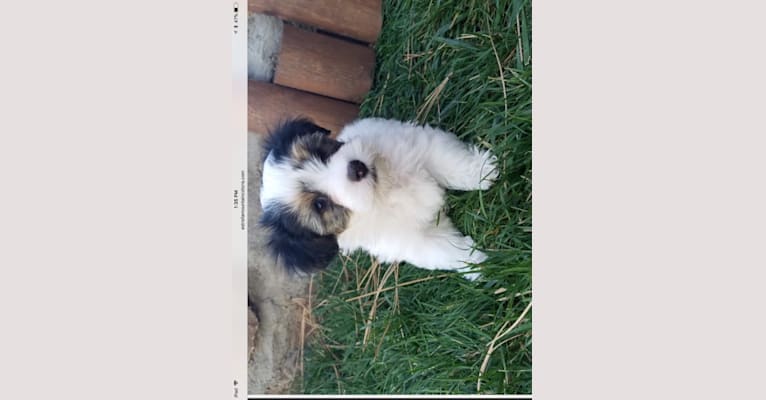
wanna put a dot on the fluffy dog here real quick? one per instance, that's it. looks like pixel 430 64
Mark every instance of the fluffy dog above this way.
pixel 379 187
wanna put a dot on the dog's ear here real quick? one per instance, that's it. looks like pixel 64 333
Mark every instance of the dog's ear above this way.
pixel 294 246
pixel 282 137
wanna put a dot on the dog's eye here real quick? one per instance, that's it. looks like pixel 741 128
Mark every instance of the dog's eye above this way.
pixel 320 203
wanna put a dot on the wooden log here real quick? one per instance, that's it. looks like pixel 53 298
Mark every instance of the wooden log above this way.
pixel 278 301
pixel 324 65
pixel 357 19
pixel 269 104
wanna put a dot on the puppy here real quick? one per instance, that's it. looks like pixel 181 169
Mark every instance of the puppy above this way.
pixel 379 187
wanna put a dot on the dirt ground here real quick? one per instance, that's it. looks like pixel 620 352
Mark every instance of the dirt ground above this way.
pixel 279 304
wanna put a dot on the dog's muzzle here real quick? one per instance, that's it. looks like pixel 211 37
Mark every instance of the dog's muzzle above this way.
pixel 357 170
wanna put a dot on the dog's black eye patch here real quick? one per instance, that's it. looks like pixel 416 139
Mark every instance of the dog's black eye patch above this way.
pixel 292 244
pixel 327 147
pixel 313 146
pixel 280 141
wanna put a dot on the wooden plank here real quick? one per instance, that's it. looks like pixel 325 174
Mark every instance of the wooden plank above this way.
pixel 269 104
pixel 324 65
pixel 358 19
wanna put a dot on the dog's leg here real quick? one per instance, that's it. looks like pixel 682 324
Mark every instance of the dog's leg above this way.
pixel 441 248
pixel 456 165
pixel 451 252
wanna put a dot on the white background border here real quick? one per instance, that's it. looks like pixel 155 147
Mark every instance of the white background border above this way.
pixel 115 166
pixel 239 192
pixel 648 187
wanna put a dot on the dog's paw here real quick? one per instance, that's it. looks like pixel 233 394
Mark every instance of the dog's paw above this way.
pixel 476 257
pixel 473 257
pixel 468 258
pixel 487 165
pixel 469 274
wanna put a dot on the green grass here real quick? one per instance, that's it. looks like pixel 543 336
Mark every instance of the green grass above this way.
pixel 464 66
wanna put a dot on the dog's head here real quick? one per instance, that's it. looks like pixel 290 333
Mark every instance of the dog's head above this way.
pixel 304 194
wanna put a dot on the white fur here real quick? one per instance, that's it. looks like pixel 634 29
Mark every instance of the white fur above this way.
pixel 415 164
pixel 399 217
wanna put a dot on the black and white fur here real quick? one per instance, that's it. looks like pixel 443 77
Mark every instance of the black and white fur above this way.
pixel 379 187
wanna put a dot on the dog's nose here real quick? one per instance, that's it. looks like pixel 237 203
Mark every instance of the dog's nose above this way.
pixel 356 170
